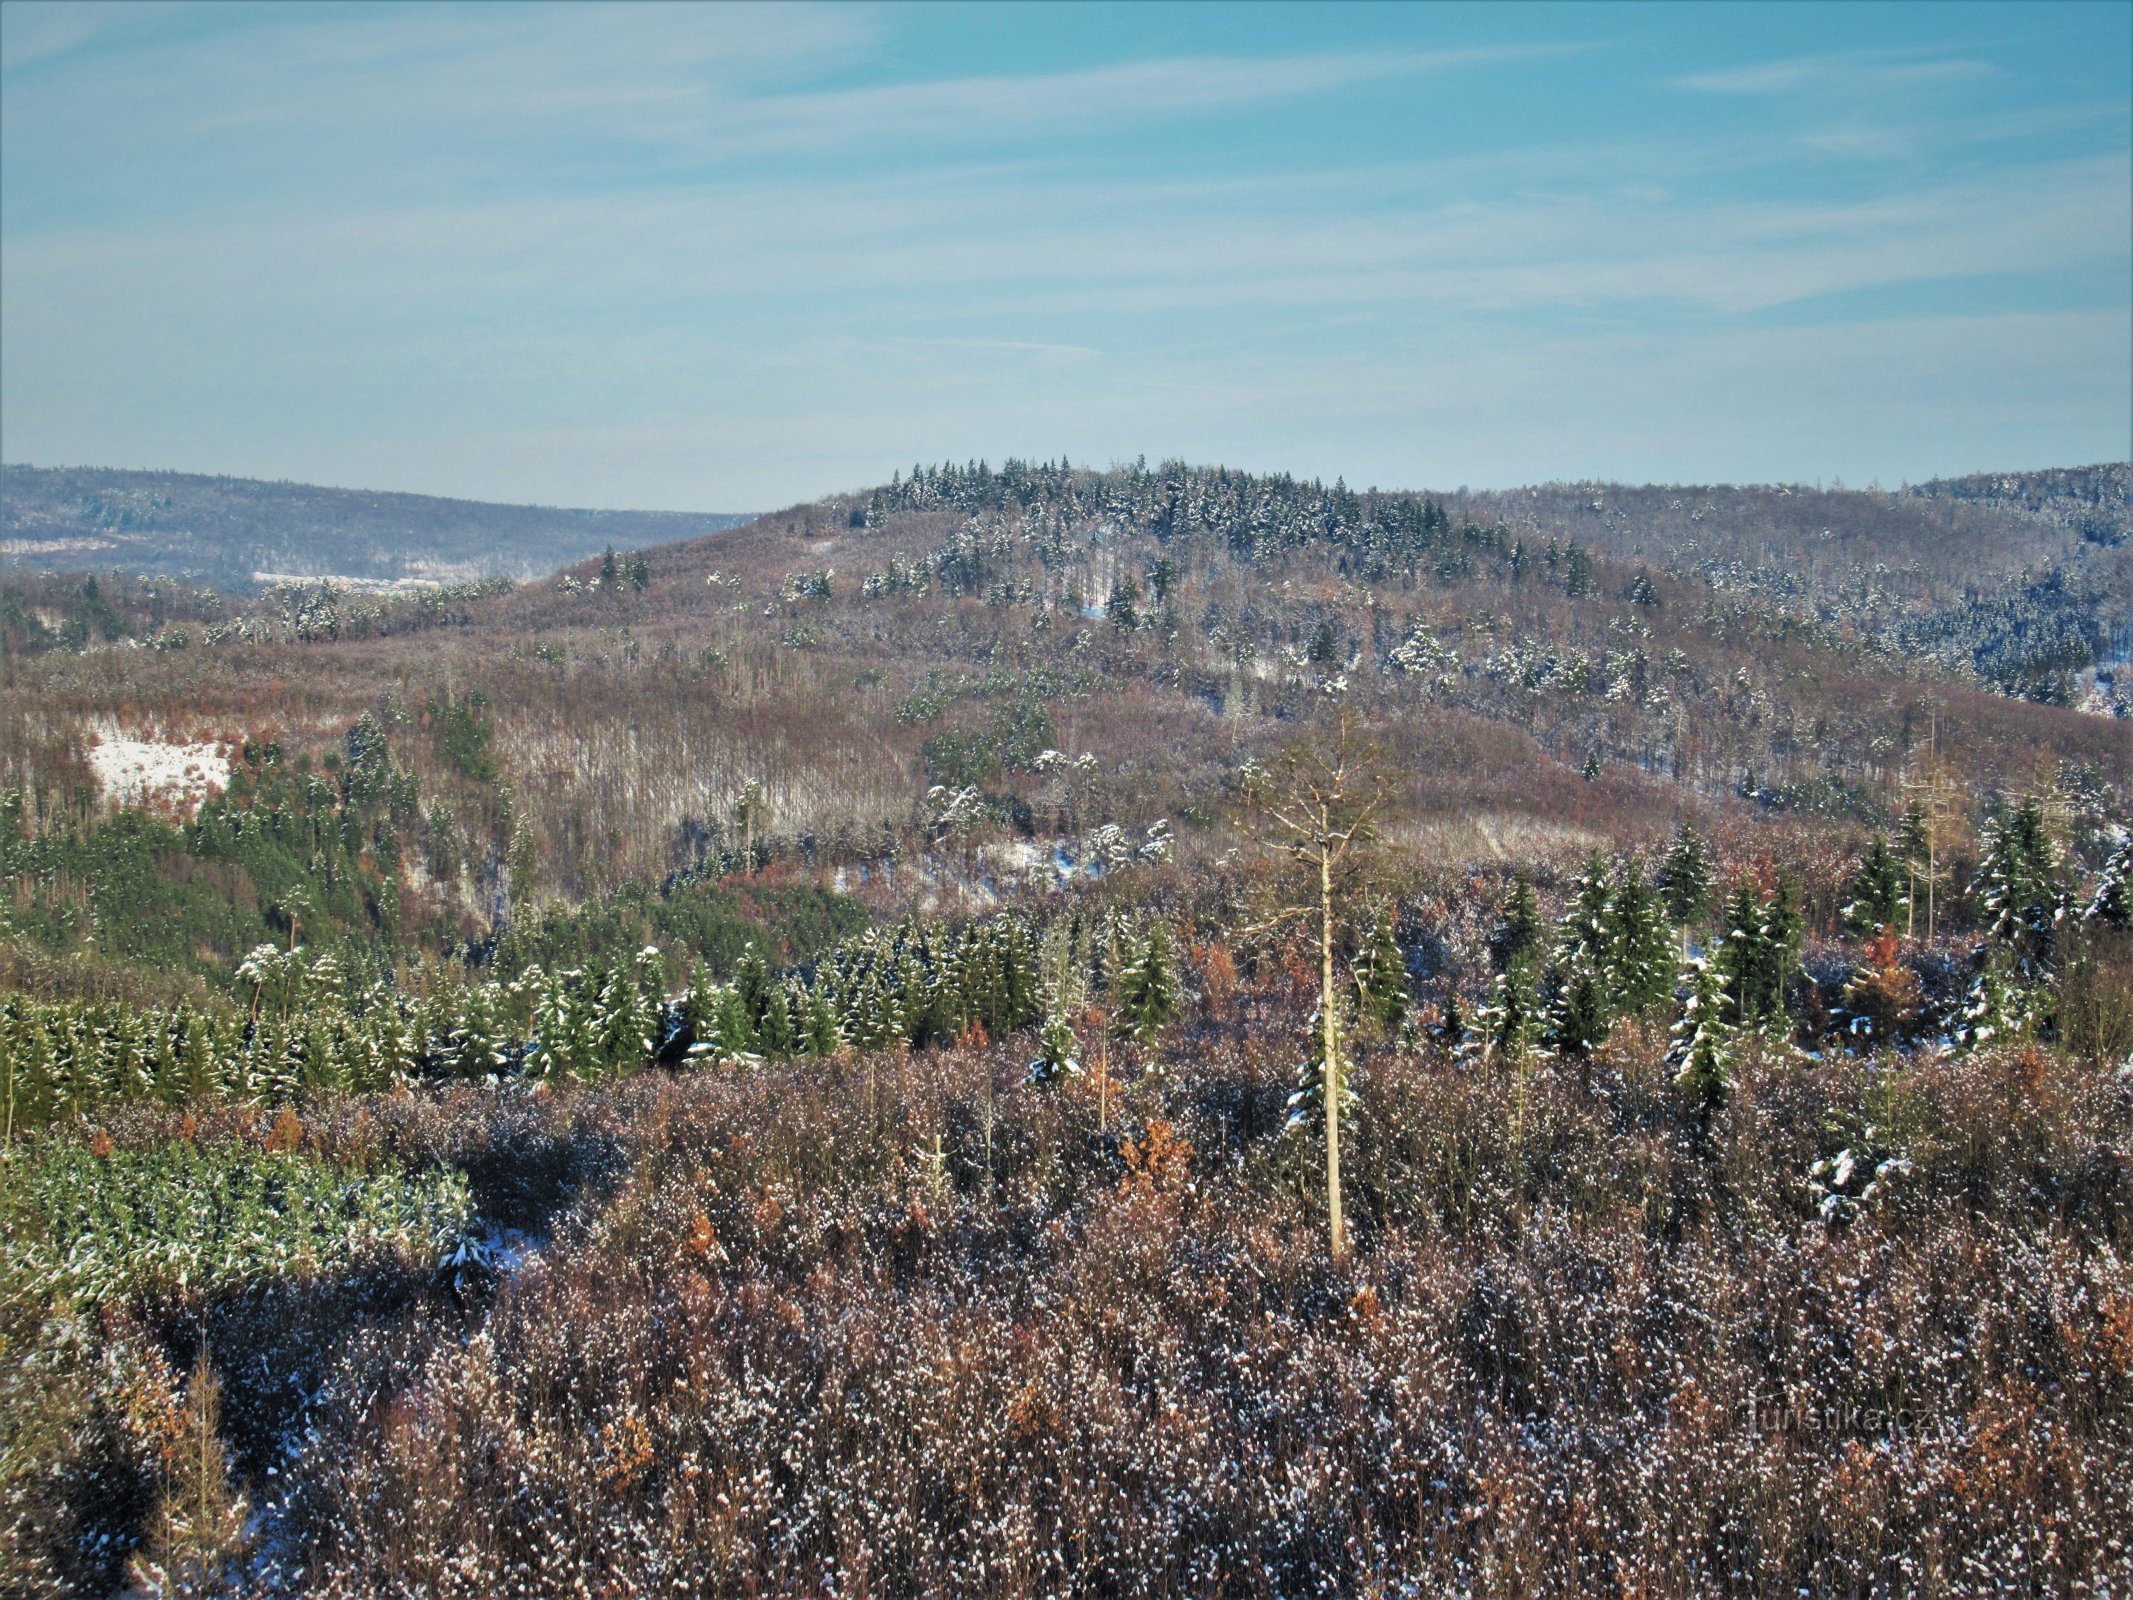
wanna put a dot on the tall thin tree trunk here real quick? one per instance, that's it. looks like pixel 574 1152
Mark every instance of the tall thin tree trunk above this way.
pixel 1330 1077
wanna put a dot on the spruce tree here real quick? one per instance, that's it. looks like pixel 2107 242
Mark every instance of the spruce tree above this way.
pixel 821 1034
pixel 1702 1052
pixel 477 1042
pixel 1520 934
pixel 1999 1007
pixel 778 1035
pixel 1760 953
pixel 1057 1052
pixel 1381 979
pixel 1147 987
pixel 752 984
pixel 1685 881
pixel 2018 885
pixel 2112 903
pixel 1507 1024
pixel 1581 1009
pixel 1640 954
pixel 1307 1101
pixel 1879 890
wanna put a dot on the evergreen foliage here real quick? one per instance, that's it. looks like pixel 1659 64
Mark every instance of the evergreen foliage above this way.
pixel 1685 878
pixel 2112 902
pixel 1880 890
pixel 1702 1051
pixel 2018 885
pixel 1381 979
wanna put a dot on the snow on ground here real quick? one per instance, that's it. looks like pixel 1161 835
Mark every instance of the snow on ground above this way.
pixel 142 771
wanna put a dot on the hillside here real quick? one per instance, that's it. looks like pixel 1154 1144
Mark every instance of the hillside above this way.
pixel 776 1060
pixel 1729 653
pixel 235 532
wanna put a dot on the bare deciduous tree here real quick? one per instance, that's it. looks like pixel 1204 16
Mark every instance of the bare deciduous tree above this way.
pixel 1316 806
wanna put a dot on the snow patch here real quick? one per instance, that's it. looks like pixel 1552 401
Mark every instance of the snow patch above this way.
pixel 140 771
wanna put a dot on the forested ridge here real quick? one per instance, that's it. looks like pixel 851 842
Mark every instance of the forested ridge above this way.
pixel 1034 1029
pixel 227 532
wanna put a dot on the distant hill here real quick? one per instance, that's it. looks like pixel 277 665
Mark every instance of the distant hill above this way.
pixel 231 531
pixel 2091 501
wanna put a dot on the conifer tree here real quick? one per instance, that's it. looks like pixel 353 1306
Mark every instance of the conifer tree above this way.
pixel 1307 1101
pixel 1507 1024
pixel 1914 847
pixel 1451 1021
pixel 1520 935
pixel 1321 804
pixel 197 1529
pixel 1760 952
pixel 1058 1054
pixel 1640 952
pixel 1883 995
pixel 1702 1052
pixel 2112 903
pixel 1685 881
pixel 752 985
pixel 821 1034
pixel 1879 890
pixel 477 1042
pixel 732 1033
pixel 2018 885
pixel 1147 988
pixel 778 1035
pixel 1999 1006
pixel 1381 978
pixel 1581 1009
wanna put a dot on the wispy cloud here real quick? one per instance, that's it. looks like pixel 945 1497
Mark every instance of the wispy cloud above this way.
pixel 746 253
pixel 1137 90
pixel 40 30
pixel 1845 73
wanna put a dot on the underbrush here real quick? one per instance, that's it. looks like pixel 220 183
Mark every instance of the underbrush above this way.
pixel 903 1324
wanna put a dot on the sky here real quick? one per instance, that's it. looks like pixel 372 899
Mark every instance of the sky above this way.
pixel 726 258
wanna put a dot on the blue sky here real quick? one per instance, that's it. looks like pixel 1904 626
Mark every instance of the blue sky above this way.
pixel 725 257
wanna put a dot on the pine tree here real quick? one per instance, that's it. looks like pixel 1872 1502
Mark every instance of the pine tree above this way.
pixel 1581 1009
pixel 2112 903
pixel 1685 881
pixel 1057 1056
pixel 1307 1101
pixel 1507 1024
pixel 1640 954
pixel 821 1035
pixel 1999 1006
pixel 1879 890
pixel 1520 935
pixel 1147 989
pixel 1702 1049
pixel 1381 979
pixel 2018 885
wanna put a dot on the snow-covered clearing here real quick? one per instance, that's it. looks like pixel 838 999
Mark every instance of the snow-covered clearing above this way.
pixel 141 771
